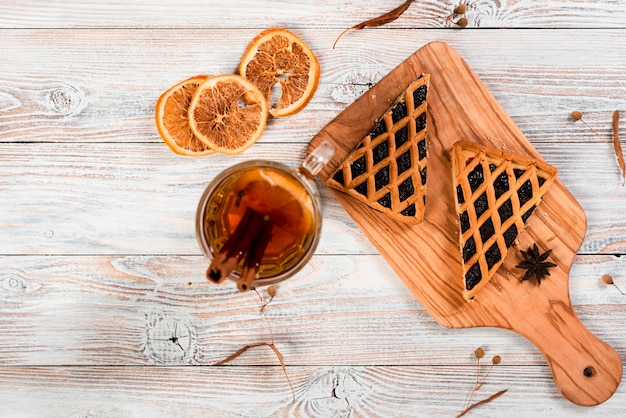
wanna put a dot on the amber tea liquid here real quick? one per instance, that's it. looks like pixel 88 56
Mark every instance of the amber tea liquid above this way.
pixel 278 194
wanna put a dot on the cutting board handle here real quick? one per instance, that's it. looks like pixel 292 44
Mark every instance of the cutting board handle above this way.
pixel 586 370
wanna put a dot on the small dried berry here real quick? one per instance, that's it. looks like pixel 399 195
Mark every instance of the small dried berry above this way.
pixel 271 291
pixel 462 22
pixel 576 115
pixel 607 279
pixel 496 360
pixel 479 352
pixel 461 9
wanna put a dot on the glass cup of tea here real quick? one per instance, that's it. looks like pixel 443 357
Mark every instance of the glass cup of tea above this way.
pixel 259 221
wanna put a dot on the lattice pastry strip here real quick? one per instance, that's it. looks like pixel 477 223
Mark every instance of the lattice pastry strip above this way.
pixel 496 192
pixel 388 169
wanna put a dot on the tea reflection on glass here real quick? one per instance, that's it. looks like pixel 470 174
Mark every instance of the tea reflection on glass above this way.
pixel 259 221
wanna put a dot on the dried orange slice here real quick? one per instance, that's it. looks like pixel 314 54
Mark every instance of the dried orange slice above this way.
pixel 278 56
pixel 172 120
pixel 228 113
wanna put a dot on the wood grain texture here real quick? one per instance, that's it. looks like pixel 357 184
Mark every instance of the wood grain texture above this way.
pixel 97 247
pixel 123 310
pixel 306 14
pixel 57 198
pixel 234 391
pixel 539 86
pixel 73 90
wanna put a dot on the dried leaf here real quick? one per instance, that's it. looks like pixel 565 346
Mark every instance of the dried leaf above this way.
pixel 483 402
pixel 380 20
pixel 617 146
pixel 385 18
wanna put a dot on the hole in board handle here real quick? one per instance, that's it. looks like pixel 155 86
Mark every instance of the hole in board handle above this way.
pixel 589 371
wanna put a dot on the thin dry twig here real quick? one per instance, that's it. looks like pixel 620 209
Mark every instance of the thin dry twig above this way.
pixel 239 352
pixel 271 292
pixel 282 364
pixel 484 380
pixel 495 360
pixel 578 116
pixel 618 147
pixel 483 402
pixel 478 353
pixel 271 345
pixel 380 20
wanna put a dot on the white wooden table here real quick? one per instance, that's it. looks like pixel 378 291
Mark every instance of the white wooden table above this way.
pixel 104 308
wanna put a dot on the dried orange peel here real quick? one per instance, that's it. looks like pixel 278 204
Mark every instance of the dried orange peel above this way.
pixel 172 118
pixel 228 113
pixel 277 56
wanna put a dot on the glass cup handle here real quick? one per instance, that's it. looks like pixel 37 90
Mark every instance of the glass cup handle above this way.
pixel 317 159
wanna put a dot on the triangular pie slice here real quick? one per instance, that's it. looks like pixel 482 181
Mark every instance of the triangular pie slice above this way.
pixel 495 194
pixel 387 170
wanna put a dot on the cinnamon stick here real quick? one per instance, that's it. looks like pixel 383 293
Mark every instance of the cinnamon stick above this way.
pixel 255 256
pixel 236 246
pixel 213 273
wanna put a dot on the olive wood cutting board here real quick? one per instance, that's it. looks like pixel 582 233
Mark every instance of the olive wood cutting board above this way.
pixel 427 257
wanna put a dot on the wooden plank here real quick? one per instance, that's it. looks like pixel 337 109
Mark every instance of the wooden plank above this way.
pixel 429 390
pixel 124 310
pixel 109 199
pixel 303 14
pixel 60 197
pixel 539 77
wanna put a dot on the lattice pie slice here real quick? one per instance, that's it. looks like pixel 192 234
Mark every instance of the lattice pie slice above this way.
pixel 387 170
pixel 495 194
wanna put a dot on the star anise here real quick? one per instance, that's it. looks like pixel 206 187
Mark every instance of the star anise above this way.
pixel 535 263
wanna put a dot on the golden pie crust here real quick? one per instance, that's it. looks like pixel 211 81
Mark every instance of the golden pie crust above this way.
pixel 387 170
pixel 495 194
